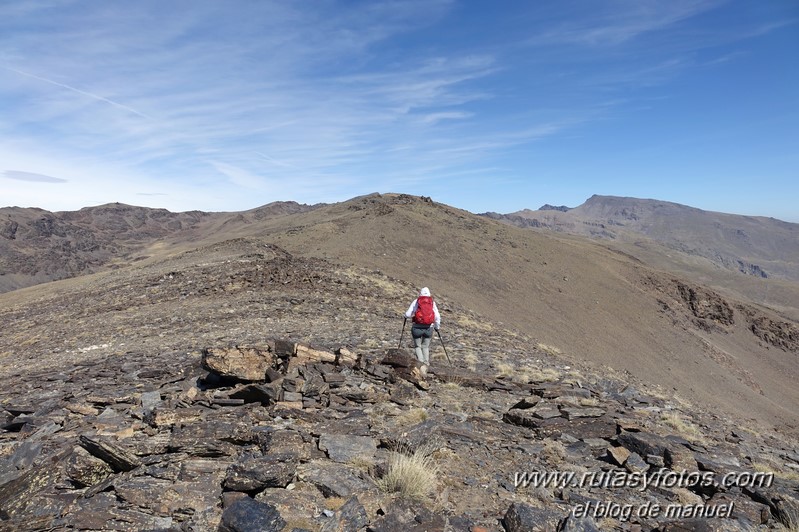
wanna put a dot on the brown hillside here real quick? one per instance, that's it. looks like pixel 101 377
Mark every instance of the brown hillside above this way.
pixel 751 245
pixel 595 305
pixel 37 246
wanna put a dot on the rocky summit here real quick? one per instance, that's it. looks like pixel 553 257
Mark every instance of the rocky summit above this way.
pixel 239 386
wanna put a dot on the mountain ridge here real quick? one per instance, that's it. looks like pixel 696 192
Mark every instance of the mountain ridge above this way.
pixel 585 299
pixel 752 245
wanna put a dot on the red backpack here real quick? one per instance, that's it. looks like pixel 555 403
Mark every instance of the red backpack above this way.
pixel 424 311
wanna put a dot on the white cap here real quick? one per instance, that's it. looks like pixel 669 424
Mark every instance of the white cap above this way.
pixel 425 292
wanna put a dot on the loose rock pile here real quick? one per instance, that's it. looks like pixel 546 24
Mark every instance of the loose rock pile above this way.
pixel 282 436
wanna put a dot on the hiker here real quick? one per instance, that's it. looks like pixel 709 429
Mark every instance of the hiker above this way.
pixel 426 318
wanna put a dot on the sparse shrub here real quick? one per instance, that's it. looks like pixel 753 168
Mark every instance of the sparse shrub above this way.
pixel 411 474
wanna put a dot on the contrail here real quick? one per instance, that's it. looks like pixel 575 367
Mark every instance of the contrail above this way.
pixel 73 89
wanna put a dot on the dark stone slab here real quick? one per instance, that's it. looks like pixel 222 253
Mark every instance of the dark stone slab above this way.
pixel 527 402
pixel 249 515
pixel 345 448
pixel 584 428
pixel 635 464
pixel 118 458
pixel 522 517
pixel 282 442
pixel 356 423
pixel 400 358
pixel 25 454
pixel 744 508
pixel 409 516
pixel 643 443
pixel 255 473
pixel 784 503
pixel 333 480
pixel 581 524
pixel 572 413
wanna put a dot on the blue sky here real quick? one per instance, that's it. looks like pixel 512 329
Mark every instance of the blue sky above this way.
pixel 224 106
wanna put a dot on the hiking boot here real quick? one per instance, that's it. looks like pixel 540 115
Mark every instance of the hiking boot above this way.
pixel 423 370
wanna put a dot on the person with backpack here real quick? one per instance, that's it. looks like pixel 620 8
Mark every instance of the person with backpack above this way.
pixel 426 319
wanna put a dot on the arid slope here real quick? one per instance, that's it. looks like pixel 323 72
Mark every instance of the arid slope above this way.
pixel 592 303
pixel 595 305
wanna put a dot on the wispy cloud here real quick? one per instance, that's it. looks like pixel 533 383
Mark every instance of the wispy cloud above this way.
pixel 31 177
pixel 615 22
pixel 245 101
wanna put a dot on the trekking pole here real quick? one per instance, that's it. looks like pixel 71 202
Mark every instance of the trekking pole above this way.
pixel 403 332
pixel 444 346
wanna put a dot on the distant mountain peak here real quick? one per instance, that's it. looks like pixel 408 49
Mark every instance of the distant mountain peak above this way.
pixel 548 207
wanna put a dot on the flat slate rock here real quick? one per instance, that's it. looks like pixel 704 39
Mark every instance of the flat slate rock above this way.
pixel 643 443
pixel 332 479
pixel 118 458
pixel 574 413
pixel 344 448
pixel 254 473
pixel 266 394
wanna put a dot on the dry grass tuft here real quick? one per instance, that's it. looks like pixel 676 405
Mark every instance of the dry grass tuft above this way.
pixel 412 416
pixel 538 375
pixel 549 349
pixel 683 427
pixel 334 503
pixel 780 472
pixel 554 452
pixel 363 463
pixel 504 369
pixel 470 323
pixel 410 474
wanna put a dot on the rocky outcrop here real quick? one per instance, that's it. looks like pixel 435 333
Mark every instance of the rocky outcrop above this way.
pixel 776 333
pixel 705 305
pixel 304 446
